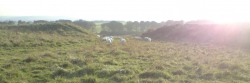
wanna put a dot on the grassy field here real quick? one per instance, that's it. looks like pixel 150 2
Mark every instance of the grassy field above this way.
pixel 64 53
pixel 98 27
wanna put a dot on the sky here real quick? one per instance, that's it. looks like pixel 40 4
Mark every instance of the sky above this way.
pixel 132 10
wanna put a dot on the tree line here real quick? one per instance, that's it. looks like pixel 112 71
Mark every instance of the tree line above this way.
pixel 129 27
pixel 107 27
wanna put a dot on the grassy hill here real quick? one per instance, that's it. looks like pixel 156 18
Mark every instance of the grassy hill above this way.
pixel 234 35
pixel 65 53
pixel 52 34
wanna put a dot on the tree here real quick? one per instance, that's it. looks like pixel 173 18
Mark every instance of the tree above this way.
pixel 153 24
pixel 11 22
pixel 105 27
pixel 137 26
pixel 85 24
pixel 40 21
pixel 143 26
pixel 20 22
pixel 92 26
pixel 64 21
pixel 8 22
pixel 115 26
pixel 129 26
pixel 132 26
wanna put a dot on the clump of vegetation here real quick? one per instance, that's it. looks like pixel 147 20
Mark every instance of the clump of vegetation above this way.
pixel 30 59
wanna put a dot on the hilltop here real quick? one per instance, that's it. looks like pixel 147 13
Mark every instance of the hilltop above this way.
pixel 42 34
pixel 233 35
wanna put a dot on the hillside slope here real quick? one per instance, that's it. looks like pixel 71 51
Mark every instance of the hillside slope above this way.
pixel 48 56
pixel 236 35
pixel 42 34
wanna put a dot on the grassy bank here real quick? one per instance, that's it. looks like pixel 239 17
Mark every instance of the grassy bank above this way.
pixel 76 55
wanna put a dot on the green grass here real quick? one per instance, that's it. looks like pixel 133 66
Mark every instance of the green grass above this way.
pixel 80 57
pixel 98 27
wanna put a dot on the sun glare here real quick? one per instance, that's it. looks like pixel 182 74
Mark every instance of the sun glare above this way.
pixel 220 11
pixel 229 12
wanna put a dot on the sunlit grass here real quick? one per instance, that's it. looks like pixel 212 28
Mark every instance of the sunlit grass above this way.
pixel 44 57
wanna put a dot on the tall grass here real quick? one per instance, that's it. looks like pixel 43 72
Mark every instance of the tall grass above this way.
pixel 41 56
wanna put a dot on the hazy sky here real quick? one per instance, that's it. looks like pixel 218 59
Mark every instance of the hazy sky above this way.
pixel 157 10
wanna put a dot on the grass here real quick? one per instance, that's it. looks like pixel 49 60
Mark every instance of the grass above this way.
pixel 98 27
pixel 83 58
